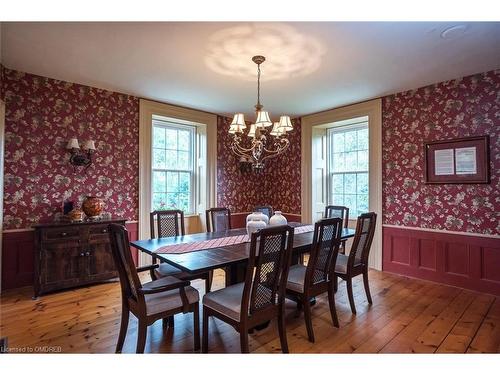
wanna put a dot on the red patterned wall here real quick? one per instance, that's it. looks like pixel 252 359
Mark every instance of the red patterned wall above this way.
pixel 41 115
pixel 452 109
pixel 278 185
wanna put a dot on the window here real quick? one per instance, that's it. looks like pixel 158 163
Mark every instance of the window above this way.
pixel 172 180
pixel 348 167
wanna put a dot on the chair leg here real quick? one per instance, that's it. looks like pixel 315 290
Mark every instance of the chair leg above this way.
pixel 196 326
pixel 204 339
pixel 171 321
pixel 308 318
pixel 208 281
pixel 349 293
pixel 331 302
pixel 142 330
pixel 244 340
pixel 335 283
pixel 123 328
pixel 367 286
pixel 282 330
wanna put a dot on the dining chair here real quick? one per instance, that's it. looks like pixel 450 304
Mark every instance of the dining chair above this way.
pixel 218 219
pixel 170 223
pixel 266 210
pixel 261 297
pixel 158 299
pixel 306 282
pixel 341 212
pixel 356 263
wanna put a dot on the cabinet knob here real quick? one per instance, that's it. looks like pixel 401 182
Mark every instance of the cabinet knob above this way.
pixel 87 253
pixel 64 234
pixel 104 231
pixel 82 254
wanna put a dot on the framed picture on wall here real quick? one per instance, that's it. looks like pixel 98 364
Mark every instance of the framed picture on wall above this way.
pixel 458 161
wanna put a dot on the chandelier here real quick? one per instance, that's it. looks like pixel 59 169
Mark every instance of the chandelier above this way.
pixel 268 139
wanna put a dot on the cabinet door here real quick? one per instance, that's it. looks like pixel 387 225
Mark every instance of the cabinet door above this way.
pixel 100 261
pixel 61 264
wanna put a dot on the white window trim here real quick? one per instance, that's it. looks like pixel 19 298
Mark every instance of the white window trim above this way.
pixel 372 109
pixel 206 126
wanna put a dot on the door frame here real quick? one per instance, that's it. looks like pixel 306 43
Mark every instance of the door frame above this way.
pixel 2 153
pixel 372 109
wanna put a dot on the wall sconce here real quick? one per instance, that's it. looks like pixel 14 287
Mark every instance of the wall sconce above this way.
pixel 245 165
pixel 83 157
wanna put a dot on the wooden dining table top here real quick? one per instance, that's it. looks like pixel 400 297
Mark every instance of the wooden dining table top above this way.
pixel 218 257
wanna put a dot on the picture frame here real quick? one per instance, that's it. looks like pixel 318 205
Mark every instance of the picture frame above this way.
pixel 458 161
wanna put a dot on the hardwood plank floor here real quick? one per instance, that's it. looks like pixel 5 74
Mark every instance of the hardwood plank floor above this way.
pixel 407 315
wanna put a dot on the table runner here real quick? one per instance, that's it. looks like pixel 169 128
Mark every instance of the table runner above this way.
pixel 217 242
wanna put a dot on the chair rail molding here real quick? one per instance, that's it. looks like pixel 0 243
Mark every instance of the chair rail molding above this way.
pixel 373 110
pixel 206 124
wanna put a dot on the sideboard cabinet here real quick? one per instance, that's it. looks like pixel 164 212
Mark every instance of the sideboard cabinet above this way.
pixel 72 254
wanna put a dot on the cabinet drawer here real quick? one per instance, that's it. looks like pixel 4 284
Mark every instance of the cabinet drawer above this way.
pixel 61 233
pixel 99 234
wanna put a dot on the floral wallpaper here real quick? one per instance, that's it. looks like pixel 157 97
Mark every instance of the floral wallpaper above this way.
pixel 278 185
pixel 452 109
pixel 41 115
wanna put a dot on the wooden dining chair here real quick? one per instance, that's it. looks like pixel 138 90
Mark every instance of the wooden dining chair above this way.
pixel 159 299
pixel 341 212
pixel 218 219
pixel 306 282
pixel 262 296
pixel 170 223
pixel 266 210
pixel 356 263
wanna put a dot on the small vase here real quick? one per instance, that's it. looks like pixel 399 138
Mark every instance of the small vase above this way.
pixel 278 219
pixel 258 216
pixel 92 206
pixel 254 225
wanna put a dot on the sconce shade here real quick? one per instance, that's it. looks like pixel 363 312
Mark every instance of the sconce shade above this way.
pixel 239 120
pixel 89 145
pixel 72 143
pixel 263 119
pixel 285 123
pixel 251 133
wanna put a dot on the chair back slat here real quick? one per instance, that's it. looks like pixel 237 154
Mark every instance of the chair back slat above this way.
pixel 324 251
pixel 338 211
pixel 365 229
pixel 218 219
pixel 169 223
pixel 266 210
pixel 269 261
pixel 120 246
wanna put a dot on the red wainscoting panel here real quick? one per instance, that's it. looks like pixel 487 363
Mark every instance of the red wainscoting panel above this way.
pixel 466 261
pixel 18 249
pixel 17 259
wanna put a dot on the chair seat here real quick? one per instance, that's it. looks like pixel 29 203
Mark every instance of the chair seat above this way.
pixel 296 277
pixel 166 269
pixel 161 302
pixel 341 265
pixel 226 301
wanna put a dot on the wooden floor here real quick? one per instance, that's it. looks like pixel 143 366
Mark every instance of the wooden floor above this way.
pixel 407 316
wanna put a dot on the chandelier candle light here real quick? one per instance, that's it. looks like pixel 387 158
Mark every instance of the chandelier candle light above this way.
pixel 263 146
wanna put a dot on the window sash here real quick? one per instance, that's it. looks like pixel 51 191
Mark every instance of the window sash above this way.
pixel 192 164
pixel 354 194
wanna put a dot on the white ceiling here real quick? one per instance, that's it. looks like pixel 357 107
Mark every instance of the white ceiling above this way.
pixel 311 66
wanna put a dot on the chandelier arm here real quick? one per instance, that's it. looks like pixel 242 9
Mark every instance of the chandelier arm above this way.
pixel 277 152
pixel 280 146
pixel 240 148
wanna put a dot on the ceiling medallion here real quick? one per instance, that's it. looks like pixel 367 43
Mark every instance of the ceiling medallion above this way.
pixel 266 143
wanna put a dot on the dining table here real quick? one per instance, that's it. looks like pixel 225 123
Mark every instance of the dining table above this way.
pixel 229 250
